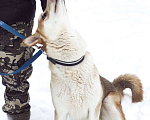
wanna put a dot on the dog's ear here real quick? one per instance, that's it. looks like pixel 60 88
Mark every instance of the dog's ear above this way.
pixel 48 5
pixel 32 40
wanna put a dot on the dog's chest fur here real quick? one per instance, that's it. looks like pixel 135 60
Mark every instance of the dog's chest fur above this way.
pixel 76 86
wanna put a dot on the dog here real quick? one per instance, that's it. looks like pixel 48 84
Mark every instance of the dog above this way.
pixel 77 89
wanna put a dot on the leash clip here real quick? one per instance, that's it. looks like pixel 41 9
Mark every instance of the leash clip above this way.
pixel 40 48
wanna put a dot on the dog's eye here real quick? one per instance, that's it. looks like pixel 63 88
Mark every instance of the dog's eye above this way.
pixel 44 16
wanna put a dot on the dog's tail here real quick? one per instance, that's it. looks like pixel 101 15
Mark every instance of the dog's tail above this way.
pixel 132 82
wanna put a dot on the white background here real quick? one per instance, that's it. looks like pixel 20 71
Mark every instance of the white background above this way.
pixel 117 33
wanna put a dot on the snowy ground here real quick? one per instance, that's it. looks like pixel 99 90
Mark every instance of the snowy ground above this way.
pixel 117 35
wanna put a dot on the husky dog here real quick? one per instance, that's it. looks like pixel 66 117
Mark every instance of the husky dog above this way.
pixel 78 91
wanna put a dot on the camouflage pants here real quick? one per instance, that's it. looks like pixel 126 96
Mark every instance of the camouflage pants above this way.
pixel 12 56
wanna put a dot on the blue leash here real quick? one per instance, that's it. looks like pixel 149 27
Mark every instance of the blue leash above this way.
pixel 31 60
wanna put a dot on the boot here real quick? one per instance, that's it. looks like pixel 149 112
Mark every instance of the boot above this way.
pixel 20 116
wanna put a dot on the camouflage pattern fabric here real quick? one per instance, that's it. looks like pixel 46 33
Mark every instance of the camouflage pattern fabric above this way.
pixel 13 54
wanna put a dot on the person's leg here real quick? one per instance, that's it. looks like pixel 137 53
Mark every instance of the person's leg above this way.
pixel 20 116
pixel 12 56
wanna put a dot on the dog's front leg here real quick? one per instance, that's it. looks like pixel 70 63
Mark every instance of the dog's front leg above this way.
pixel 93 116
pixel 94 113
pixel 60 115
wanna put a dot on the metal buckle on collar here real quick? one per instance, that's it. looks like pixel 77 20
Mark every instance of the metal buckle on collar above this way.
pixel 40 48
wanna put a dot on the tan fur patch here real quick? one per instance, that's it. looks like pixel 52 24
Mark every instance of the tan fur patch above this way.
pixel 107 87
pixel 56 116
pixel 117 103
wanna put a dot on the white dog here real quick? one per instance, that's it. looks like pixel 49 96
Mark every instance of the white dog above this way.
pixel 78 91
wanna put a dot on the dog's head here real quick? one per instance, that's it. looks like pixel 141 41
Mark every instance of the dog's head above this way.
pixel 51 22
pixel 55 33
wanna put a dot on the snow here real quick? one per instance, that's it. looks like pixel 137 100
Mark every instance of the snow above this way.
pixel 117 36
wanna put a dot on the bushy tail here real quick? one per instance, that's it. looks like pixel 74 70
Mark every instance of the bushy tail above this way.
pixel 132 82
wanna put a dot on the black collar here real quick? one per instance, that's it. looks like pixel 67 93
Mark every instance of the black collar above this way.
pixel 64 63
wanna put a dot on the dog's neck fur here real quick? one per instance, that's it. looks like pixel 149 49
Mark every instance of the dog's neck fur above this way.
pixel 67 46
